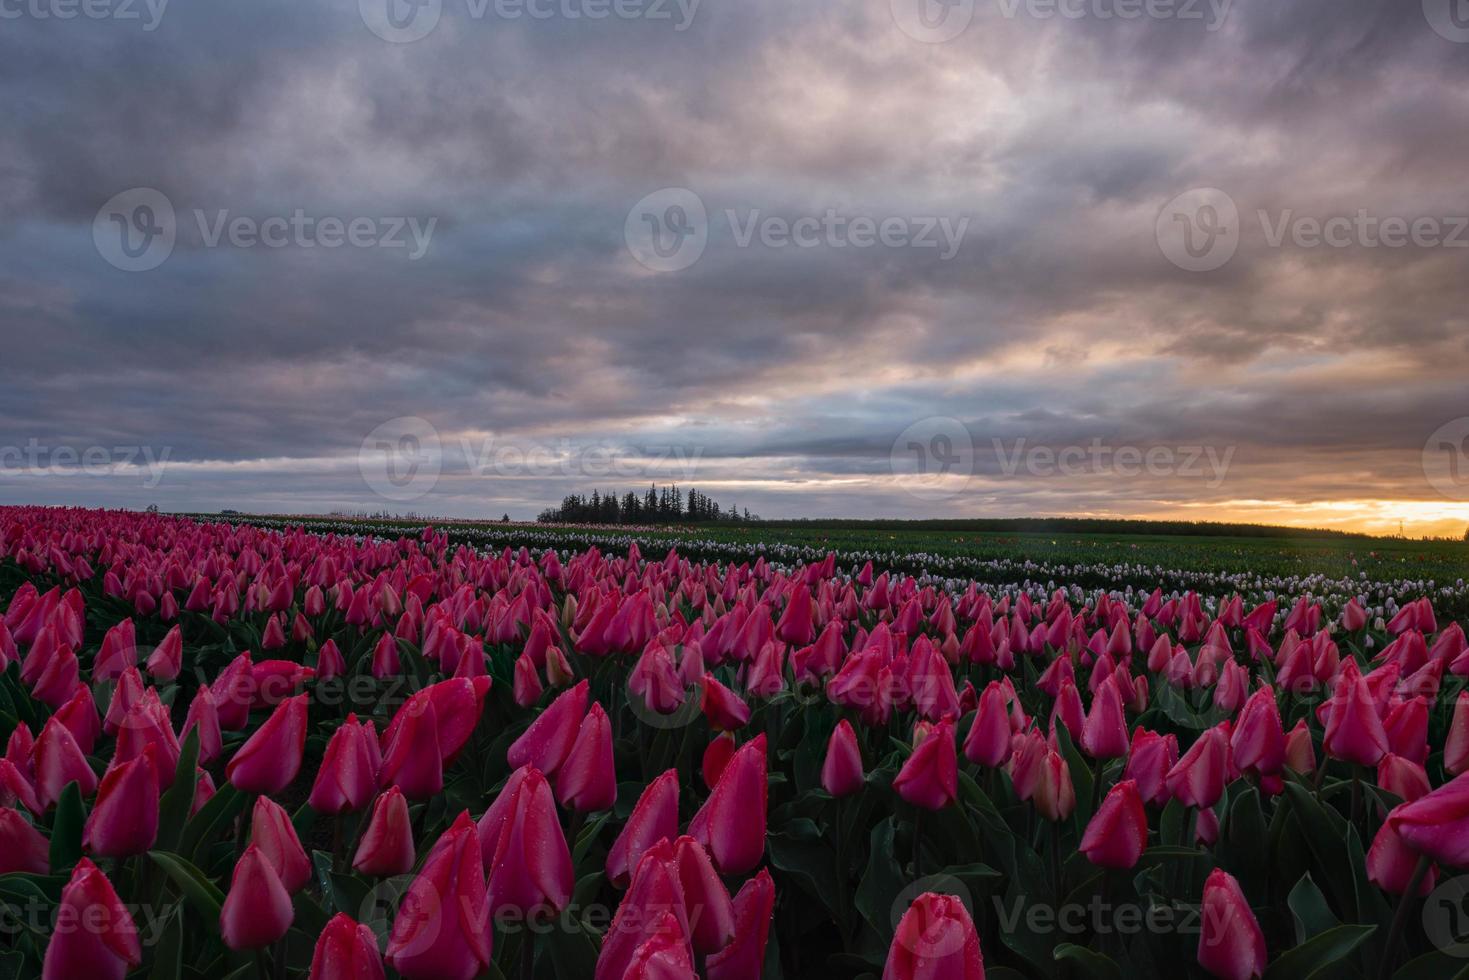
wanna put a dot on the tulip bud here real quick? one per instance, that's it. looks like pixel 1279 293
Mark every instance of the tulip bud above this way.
pixel 935 938
pixel 930 776
pixel 706 901
pixel 1118 832
pixel 1055 797
pixel 548 740
pixel 1231 945
pixel 270 759
pixel 1354 731
pixel 22 848
pixel 587 780
pixel 59 760
pixel 347 779
pixel 988 741
pixel 654 818
pixel 1437 825
pixel 414 760
pixel 124 820
pixel 655 888
pixel 442 928
pixel 1300 755
pixel 744 957
pixel 841 773
pixel 1104 733
pixel 731 823
pixel 717 754
pixel 386 847
pixel 530 870
pixel 1391 863
pixel 256 911
pixel 346 950
pixel 94 935
pixel 1199 777
pixel 165 663
pixel 272 831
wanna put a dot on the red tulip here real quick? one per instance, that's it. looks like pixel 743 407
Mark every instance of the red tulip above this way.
pixel 346 950
pixel 526 688
pixel 530 870
pixel 930 777
pixel 347 779
pixel 587 780
pixel 58 760
pixel 744 957
pixel 664 954
pixel 124 820
pixel 1104 733
pixel 1231 945
pixel 731 823
pixel 204 715
pixel 841 773
pixel 94 935
pixel 119 652
pixel 330 664
pixel 58 679
pixel 1118 832
pixel 654 818
pixel 272 831
pixel 257 910
pixel 1437 825
pixel 935 939
pixel 234 692
pixel 148 725
pixel 442 929
pixel 15 787
pixel 127 693
pixel 22 848
pixel 548 740
pixel 270 759
pixel 386 847
pixel 725 709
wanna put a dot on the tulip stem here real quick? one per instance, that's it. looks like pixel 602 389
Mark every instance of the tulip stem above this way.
pixel 528 957
pixel 1356 791
pixel 262 965
pixel 918 842
pixel 1400 917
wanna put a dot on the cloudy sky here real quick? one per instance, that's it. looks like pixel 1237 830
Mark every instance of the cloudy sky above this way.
pixel 828 258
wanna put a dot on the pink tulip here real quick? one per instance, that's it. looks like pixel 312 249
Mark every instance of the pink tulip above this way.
pixel 256 911
pixel 930 776
pixel 58 760
pixel 587 780
pixel 1391 863
pixel 655 889
pixel 935 938
pixel 272 831
pixel 442 928
pixel 346 950
pixel 1118 832
pixel 1231 945
pixel 548 740
pixel 731 823
pixel 707 904
pixel 988 741
pixel 270 759
pixel 744 957
pixel 347 778
pixel 530 870
pixel 1354 731
pixel 413 760
pixel 94 936
pixel 165 663
pixel 1199 777
pixel 124 820
pixel 1437 825
pixel 386 847
pixel 841 773
pixel 22 848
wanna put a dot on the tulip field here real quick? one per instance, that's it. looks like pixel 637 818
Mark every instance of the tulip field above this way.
pixel 313 750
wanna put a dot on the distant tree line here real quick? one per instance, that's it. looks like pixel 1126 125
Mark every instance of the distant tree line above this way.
pixel 657 505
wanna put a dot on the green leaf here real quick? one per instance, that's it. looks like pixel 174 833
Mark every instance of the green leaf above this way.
pixel 12 965
pixel 173 809
pixel 199 890
pixel 1330 947
pixel 881 883
pixel 1089 963
pixel 211 820
pixel 1437 965
pixel 66 830
pixel 1312 913
pixel 168 963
